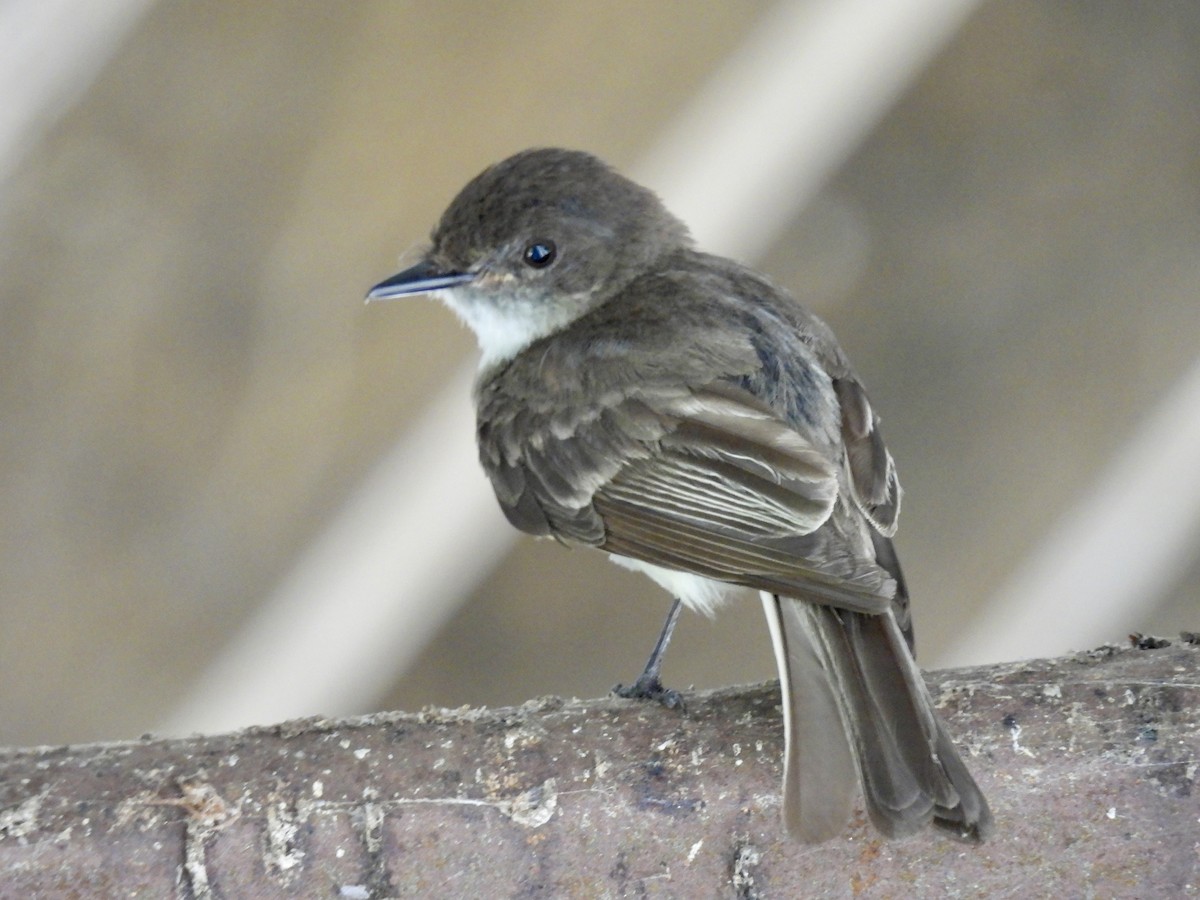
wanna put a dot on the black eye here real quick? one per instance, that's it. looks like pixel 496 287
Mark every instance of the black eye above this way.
pixel 540 254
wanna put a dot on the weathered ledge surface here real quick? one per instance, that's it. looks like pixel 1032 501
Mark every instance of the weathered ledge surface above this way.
pixel 1089 762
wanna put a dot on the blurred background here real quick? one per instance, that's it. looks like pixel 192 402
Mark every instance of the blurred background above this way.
pixel 230 492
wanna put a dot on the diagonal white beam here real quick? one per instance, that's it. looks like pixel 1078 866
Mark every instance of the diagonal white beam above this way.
pixel 50 53
pixel 787 109
pixel 1127 541
pixel 753 147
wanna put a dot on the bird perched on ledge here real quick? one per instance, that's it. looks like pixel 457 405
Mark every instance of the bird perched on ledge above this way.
pixel 681 413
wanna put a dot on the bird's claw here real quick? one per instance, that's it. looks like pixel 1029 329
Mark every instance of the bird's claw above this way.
pixel 650 688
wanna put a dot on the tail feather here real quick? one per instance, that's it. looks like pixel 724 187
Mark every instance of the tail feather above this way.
pixel 970 819
pixel 860 666
pixel 891 715
pixel 820 775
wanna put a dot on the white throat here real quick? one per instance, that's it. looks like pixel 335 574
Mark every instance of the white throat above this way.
pixel 503 331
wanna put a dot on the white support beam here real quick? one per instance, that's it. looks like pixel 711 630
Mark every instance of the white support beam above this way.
pixel 1126 541
pixel 50 53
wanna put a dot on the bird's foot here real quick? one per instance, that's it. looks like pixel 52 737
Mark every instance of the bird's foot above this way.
pixel 649 687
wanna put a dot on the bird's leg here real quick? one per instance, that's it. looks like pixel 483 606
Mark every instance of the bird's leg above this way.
pixel 649 685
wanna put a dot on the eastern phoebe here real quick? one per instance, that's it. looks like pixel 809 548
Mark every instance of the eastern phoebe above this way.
pixel 691 419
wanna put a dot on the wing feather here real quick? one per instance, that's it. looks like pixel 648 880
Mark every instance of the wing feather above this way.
pixel 706 480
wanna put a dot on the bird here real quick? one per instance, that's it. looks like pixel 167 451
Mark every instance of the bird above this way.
pixel 683 414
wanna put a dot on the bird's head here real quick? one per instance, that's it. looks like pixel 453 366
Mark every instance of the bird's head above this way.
pixel 534 242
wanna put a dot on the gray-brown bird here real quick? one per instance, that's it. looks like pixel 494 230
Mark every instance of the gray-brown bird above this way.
pixel 681 413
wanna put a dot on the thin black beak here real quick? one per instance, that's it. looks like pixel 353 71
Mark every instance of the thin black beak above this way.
pixel 422 278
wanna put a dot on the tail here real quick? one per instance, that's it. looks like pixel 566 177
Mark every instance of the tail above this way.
pixel 856 710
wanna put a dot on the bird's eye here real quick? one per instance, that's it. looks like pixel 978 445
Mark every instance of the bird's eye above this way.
pixel 540 254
